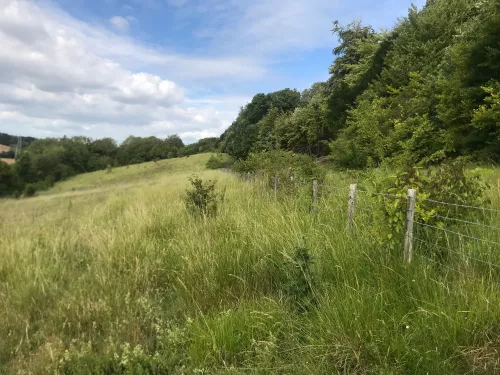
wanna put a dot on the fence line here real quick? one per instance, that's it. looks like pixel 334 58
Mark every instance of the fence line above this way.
pixel 460 205
pixel 457 233
pixel 465 221
pixel 456 252
pixel 356 208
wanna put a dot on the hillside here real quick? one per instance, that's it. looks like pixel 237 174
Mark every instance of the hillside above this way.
pixel 4 148
pixel 108 272
pixel 7 161
pixel 11 140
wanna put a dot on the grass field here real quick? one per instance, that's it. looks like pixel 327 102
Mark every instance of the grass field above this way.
pixel 4 148
pixel 7 161
pixel 108 273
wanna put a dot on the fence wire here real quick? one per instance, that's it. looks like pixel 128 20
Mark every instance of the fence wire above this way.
pixel 366 210
pixel 459 205
pixel 458 253
pixel 457 233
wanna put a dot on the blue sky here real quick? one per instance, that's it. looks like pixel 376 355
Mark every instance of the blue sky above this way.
pixel 157 67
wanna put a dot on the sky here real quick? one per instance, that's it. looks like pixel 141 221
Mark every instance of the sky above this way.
pixel 114 68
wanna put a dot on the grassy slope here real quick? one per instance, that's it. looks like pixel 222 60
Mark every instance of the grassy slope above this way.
pixel 4 160
pixel 116 275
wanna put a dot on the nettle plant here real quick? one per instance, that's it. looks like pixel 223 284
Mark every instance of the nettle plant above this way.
pixel 448 182
pixel 203 199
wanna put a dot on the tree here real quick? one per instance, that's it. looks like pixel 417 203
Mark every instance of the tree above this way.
pixel 9 180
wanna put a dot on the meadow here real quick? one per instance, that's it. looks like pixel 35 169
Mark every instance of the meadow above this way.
pixel 109 273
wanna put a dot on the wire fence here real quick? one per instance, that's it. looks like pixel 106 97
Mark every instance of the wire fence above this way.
pixel 467 243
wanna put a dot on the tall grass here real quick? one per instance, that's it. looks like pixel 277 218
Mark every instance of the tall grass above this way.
pixel 126 281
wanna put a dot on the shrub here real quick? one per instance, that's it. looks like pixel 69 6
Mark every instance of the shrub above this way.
pixel 202 198
pixel 448 182
pixel 286 165
pixel 29 190
pixel 216 162
pixel 299 278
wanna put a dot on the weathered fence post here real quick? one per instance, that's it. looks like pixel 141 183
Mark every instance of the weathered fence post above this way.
pixel 275 186
pixel 314 207
pixel 410 214
pixel 351 207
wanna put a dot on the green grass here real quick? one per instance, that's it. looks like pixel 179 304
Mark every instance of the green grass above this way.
pixel 117 277
pixel 137 174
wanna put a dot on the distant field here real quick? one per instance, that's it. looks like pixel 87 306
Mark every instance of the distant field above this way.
pixel 123 177
pixel 107 273
pixel 4 148
pixel 8 161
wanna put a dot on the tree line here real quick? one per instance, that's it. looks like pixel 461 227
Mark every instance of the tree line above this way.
pixel 423 92
pixel 46 161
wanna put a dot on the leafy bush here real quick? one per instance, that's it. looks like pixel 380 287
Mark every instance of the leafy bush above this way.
pixel 448 182
pixel 299 278
pixel 202 198
pixel 286 165
pixel 216 162
pixel 29 190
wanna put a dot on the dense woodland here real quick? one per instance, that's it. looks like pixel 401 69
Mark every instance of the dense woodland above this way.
pixel 426 91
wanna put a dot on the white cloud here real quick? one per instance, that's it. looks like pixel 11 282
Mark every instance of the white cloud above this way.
pixel 61 76
pixel 119 23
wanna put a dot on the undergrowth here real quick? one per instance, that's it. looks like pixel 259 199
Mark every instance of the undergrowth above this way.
pixel 130 283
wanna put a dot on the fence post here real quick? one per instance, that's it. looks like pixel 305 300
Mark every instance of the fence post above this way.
pixel 410 214
pixel 275 186
pixel 314 197
pixel 351 207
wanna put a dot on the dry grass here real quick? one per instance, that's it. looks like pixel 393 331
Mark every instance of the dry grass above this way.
pixel 7 161
pixel 117 277
pixel 4 148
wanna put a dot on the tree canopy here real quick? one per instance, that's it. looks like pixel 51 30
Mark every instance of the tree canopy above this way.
pixel 425 91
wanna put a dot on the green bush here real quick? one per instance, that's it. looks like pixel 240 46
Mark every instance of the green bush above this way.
pixel 299 278
pixel 203 199
pixel 448 182
pixel 286 165
pixel 217 162
pixel 29 190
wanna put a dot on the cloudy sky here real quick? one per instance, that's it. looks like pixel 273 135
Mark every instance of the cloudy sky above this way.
pixel 113 68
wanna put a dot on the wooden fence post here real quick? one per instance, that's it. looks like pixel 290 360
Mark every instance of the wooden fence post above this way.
pixel 351 207
pixel 410 214
pixel 275 186
pixel 314 207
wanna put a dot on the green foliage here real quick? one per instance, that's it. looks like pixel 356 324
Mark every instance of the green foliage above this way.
pixel 448 182
pixel 242 137
pixel 11 140
pixel 426 100
pixel 218 161
pixel 203 199
pixel 285 165
pixel 299 282
pixel 29 190
pixel 46 161
pixel 9 181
